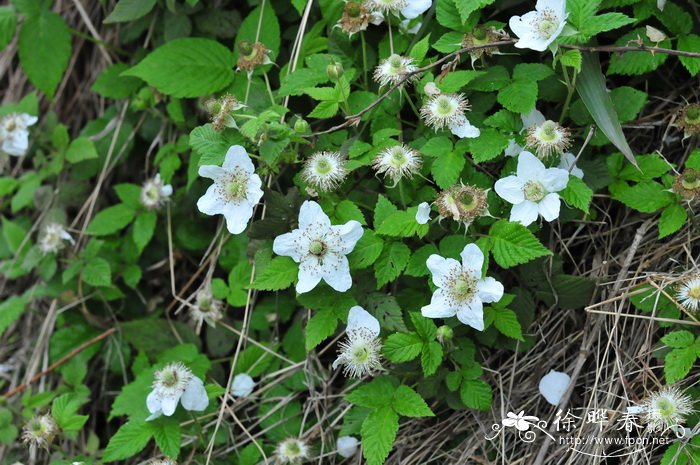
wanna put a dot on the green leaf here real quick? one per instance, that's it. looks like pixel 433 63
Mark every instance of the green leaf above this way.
pixel 166 432
pixel 376 394
pixel 345 211
pixel 81 149
pixel 467 7
pixel 425 327
pixel 111 220
pixel 64 410
pixel 325 109
pixel 519 96
pixel 44 50
pixel 532 71
pixel 594 94
pixel 636 63
pixel 129 10
pixel 128 441
pixel 446 169
pixel 507 323
pixel 189 67
pixel 431 358
pixel 320 326
pixel 678 339
pixel 402 347
pixel 144 226
pixel 13 233
pixel 672 219
pixel 513 244
pixel 678 363
pixel 489 145
pixel 572 59
pixel 690 43
pixel 378 433
pixel 111 84
pixel 391 263
pixel 212 145
pixel 409 403
pixel 577 194
pixel 455 80
pixel 476 394
pixel 605 22
pixel 97 272
pixel 10 310
pixel 402 224
pixel 279 274
pixel 8 23
pixel 366 251
pixel 645 197
pixel 581 11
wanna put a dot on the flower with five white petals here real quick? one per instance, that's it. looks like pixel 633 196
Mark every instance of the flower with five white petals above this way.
pixel 533 190
pixel 172 384
pixel 360 353
pixel 461 291
pixel 14 135
pixel 320 248
pixel 236 189
pixel 537 29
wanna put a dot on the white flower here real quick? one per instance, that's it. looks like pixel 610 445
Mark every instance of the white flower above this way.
pixel 291 451
pixel 347 446
pixel 154 193
pixel 175 383
pixel 415 8
pixel 360 353
pixel 534 118
pixel 548 138
pixel 447 110
pixel 52 237
pixel 553 385
pixel 324 170
pixel 14 135
pixel 568 163
pixel 206 310
pixel 688 293
pixel 533 190
pixel 537 29
pixel 387 6
pixel 320 248
pixel 399 161
pixel 409 9
pixel 431 90
pixel 460 289
pixel 394 70
pixel 666 408
pixel 242 385
pixel 423 213
pixel 235 191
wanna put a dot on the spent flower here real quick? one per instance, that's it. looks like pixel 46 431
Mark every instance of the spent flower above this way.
pixel 395 69
pixel 324 171
pixel 687 184
pixel 292 451
pixel 461 290
pixel 236 189
pixel 320 248
pixel 252 55
pixel 688 293
pixel 172 384
pixel 397 162
pixel 221 111
pixel 533 190
pixel 549 138
pixel 52 238
pixel 40 431
pixel 447 111
pixel 689 120
pixel 360 353
pixel 665 409
pixel 206 309
pixel 463 203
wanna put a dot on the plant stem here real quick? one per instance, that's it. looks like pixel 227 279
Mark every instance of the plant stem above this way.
pixel 364 58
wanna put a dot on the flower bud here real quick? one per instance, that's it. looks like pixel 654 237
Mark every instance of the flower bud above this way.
pixel 334 71
pixel 444 334
pixel 301 126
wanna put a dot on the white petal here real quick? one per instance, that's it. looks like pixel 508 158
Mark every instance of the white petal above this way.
pixel 336 272
pixel 557 6
pixel 513 149
pixel 195 396
pixel 358 319
pixel 169 404
pixel 534 118
pixel 236 156
pixel 309 275
pixel 347 446
pixel 154 415
pixel 212 172
pixel 423 213
pixel 635 409
pixel 438 308
pixel 472 259
pixel 510 189
pixel 28 120
pixel 350 233
pixel 16 145
pixel 311 212
pixel 568 163
pixel 237 216
pixel 166 190
pixel 549 207
pixel 472 314
pixel 489 290
pixel 153 402
pixel 441 267
pixel 287 245
pixel 416 8
pixel 464 129
pixel 524 213
pixel 254 192
pixel 242 385
pixel 554 179
pixel 376 18
pixel 209 203
pixel 529 167
pixel 553 386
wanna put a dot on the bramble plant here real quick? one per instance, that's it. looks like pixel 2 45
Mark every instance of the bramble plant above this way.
pixel 331 231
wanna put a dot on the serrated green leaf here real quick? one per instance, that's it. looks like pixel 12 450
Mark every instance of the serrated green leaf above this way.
pixel 144 226
pixel 645 196
pixel 519 96
pixel 320 326
pixel 513 244
pixel 97 272
pixel 8 23
pixel 678 363
pixel 476 394
pixel 402 347
pixel 577 194
pixel 366 251
pixel 166 432
pixel 678 339
pixel 409 403
pixel 128 441
pixel 391 262
pixel 279 274
pixel 81 149
pixel 507 323
pixel 489 145
pixel 431 358
pixel 690 43
pixel 10 310
pixel 378 434
pixel 129 10
pixel 325 109
pixel 111 220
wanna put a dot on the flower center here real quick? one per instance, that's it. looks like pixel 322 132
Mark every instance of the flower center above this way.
pixel 665 407
pixel 692 115
pixel 690 180
pixel 396 64
pixel 548 131
pixel 360 354
pixel 534 191
pixel 323 166
pixel 468 201
pixel 547 24
pixel 444 106
pixel 237 187
pixel 463 288
pixel 398 157
pixel 694 292
pixel 293 449
pixel 354 9
pixel 152 193
pixel 317 247
pixel 170 378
